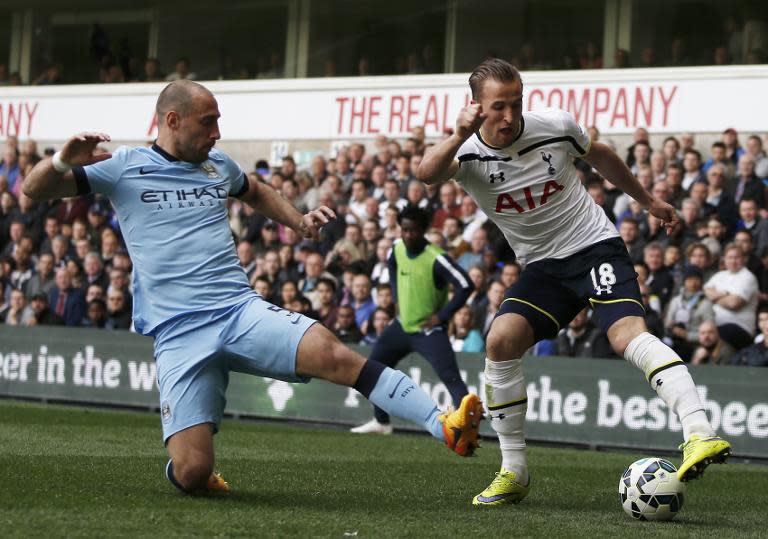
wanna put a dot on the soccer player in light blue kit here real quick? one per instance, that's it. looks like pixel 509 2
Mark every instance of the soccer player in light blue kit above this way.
pixel 192 296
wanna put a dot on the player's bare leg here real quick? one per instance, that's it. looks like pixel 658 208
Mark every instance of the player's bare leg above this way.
pixel 510 336
pixel 669 377
pixel 322 355
pixel 191 466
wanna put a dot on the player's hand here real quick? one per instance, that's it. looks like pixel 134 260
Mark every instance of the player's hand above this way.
pixel 431 322
pixel 312 222
pixel 79 150
pixel 668 215
pixel 469 121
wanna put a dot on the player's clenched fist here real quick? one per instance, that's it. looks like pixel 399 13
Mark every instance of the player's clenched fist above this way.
pixel 470 119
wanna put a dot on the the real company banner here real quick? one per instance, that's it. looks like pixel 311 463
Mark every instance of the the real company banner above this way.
pixel 570 400
pixel 616 101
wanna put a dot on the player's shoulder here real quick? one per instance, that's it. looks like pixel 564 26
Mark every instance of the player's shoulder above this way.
pixel 127 152
pixel 224 160
pixel 224 164
pixel 553 125
pixel 141 155
pixel 218 156
pixel 470 146
pixel 547 121
pixel 115 166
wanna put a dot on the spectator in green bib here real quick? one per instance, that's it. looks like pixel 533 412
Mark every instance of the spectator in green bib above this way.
pixel 420 274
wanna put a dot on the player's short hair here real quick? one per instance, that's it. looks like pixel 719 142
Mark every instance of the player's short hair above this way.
pixel 177 96
pixel 415 214
pixel 492 68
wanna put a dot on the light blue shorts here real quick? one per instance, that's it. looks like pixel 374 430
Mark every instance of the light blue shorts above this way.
pixel 196 352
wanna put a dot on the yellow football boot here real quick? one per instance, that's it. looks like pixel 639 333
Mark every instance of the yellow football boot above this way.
pixel 503 489
pixel 699 452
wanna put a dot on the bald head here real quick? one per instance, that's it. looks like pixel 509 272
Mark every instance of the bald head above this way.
pixel 188 121
pixel 179 96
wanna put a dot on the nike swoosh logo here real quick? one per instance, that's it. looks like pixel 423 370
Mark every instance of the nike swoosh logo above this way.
pixel 143 172
pixel 398 385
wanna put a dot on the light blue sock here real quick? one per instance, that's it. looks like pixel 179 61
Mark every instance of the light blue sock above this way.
pixel 398 395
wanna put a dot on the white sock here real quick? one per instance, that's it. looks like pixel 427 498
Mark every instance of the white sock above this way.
pixel 507 403
pixel 669 377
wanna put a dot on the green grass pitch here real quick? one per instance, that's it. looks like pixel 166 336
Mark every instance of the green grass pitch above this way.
pixel 71 472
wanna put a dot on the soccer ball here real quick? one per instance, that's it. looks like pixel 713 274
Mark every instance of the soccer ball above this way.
pixel 649 490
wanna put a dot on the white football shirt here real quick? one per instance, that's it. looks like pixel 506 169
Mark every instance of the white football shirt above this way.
pixel 531 191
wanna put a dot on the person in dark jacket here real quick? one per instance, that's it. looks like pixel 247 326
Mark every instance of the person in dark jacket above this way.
pixel 755 355
pixel 67 301
pixel 42 314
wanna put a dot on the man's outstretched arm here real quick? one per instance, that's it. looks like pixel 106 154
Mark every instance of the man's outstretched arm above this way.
pixel 611 167
pixel 53 178
pixel 265 200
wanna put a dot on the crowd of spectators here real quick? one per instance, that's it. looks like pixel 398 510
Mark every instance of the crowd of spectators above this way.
pixel 705 287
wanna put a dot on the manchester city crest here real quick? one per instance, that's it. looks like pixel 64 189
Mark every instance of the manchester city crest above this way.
pixel 165 412
pixel 210 170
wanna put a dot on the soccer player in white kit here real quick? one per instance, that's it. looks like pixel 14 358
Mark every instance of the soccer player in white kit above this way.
pixel 519 169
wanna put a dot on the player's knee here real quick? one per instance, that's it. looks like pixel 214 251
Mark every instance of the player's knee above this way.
pixel 499 347
pixel 510 336
pixel 619 344
pixel 337 363
pixel 192 473
pixel 621 333
pixel 495 346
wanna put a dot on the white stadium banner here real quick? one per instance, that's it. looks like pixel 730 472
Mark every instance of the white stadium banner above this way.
pixel 667 100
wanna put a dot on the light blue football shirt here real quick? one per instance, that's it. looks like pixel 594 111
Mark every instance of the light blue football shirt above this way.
pixel 173 216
